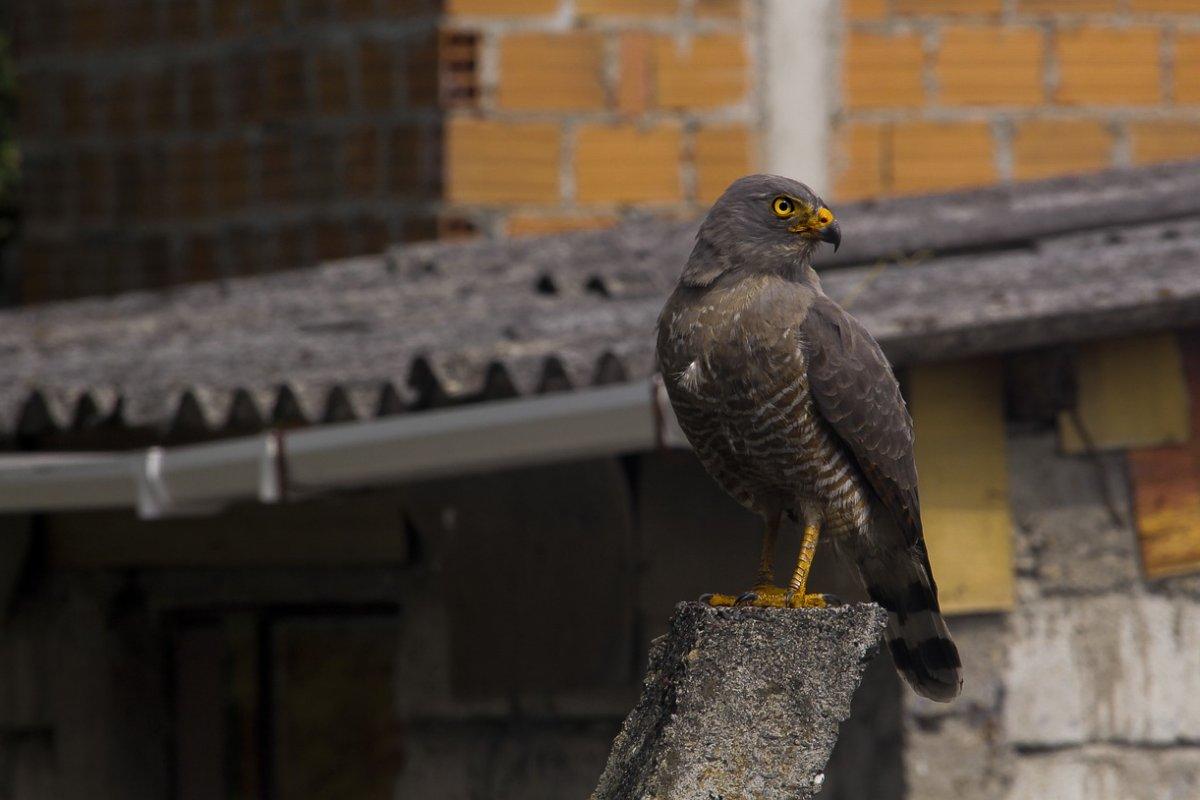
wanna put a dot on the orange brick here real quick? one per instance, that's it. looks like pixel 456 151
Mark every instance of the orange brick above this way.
pixel 722 156
pixel 635 78
pixel 200 259
pixel 226 16
pixel 122 107
pixel 354 9
pixel 267 13
pixel 625 164
pixel 285 82
pixel 375 75
pixel 332 83
pixel 332 239
pixel 202 97
pixel 76 105
pixel 89 24
pixel 1165 141
pixel 92 171
pixel 191 166
pixel 1065 6
pixel 1043 148
pixel 230 166
pixel 959 7
pixel 719 8
pixel 861 157
pixel 1109 67
pixel 360 151
pixel 932 156
pixel 704 72
pixel 183 19
pixel 865 10
pixel 640 8
pixel 541 225
pixel 1166 6
pixel 883 71
pixel 500 162
pixel 506 8
pixel 990 66
pixel 552 71
pixel 1187 69
pixel 275 157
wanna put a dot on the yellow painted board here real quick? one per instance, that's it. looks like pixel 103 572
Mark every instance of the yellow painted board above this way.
pixel 958 413
pixel 1131 393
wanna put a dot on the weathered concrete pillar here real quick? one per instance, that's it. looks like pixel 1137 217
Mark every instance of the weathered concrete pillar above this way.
pixel 741 704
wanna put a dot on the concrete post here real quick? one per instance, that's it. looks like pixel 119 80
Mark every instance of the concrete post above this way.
pixel 742 703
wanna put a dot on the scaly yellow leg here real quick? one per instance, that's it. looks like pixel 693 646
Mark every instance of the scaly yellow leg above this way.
pixel 766 559
pixel 797 586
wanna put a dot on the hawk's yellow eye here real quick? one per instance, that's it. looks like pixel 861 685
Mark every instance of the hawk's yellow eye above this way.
pixel 783 207
pixel 824 217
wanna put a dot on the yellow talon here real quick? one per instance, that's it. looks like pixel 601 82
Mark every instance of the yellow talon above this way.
pixel 806 601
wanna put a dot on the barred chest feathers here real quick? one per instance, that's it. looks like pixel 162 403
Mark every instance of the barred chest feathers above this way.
pixel 738 380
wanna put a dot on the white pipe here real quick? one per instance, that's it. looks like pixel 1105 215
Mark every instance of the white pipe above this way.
pixel 203 478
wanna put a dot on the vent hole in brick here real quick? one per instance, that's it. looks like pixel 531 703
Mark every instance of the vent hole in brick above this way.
pixel 452 228
pixel 545 285
pixel 596 286
pixel 458 69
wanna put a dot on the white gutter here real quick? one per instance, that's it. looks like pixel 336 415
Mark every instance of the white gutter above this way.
pixel 273 466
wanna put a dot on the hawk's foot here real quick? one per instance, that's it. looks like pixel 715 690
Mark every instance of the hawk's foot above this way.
pixel 761 596
pixel 814 600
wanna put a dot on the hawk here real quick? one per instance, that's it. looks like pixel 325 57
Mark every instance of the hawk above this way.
pixel 793 409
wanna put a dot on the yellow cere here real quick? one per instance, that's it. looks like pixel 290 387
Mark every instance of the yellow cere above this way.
pixel 824 217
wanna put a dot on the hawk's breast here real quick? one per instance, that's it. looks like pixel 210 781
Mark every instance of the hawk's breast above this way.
pixel 740 391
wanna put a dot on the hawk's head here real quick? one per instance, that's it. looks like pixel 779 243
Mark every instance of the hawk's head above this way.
pixel 761 223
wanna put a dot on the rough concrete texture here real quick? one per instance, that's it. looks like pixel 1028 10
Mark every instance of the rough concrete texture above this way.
pixel 1067 538
pixel 742 703
pixel 1107 669
pixel 1102 772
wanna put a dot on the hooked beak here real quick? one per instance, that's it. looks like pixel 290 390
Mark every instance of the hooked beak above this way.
pixel 832 234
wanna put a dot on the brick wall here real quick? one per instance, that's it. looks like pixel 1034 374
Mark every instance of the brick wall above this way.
pixel 591 110
pixel 941 94
pixel 175 140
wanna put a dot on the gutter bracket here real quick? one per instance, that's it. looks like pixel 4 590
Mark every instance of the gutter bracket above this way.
pixel 272 468
pixel 153 497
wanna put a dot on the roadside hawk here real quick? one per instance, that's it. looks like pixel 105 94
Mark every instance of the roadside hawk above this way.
pixel 793 409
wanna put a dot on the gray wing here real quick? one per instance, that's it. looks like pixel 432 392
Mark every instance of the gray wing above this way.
pixel 857 394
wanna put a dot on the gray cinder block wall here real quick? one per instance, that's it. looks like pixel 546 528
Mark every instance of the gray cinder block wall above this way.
pixel 1090 688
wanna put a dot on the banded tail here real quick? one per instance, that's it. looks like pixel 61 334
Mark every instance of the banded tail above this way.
pixel 918 639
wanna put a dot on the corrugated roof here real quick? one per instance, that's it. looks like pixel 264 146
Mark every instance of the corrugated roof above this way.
pixel 933 277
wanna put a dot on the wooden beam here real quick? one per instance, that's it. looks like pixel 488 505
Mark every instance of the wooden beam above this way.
pixel 1131 393
pixel 1165 482
pixel 1166 502
pixel 959 417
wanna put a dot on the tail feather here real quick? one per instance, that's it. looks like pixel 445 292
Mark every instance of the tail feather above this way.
pixel 925 655
pixel 917 636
